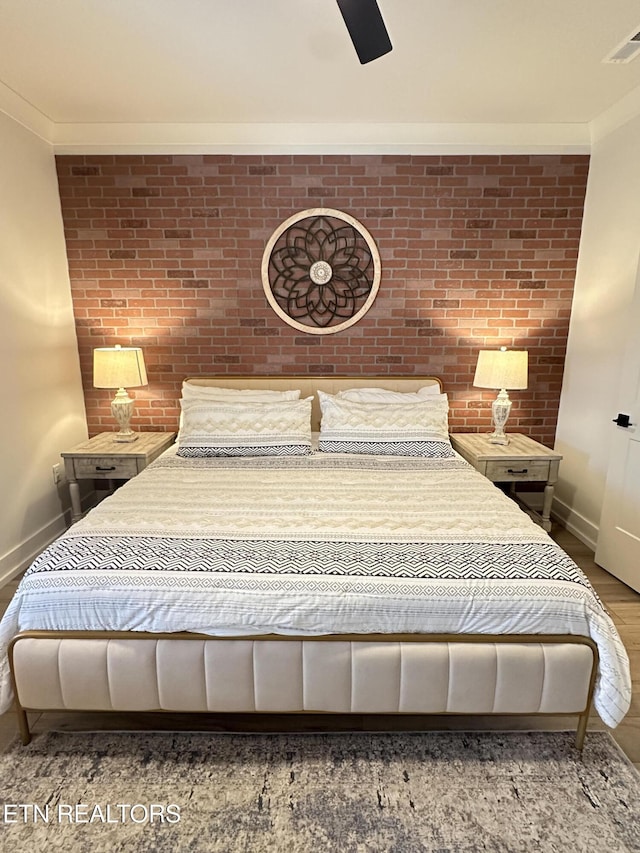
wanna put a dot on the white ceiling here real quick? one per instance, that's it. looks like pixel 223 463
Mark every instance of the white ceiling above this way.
pixel 100 72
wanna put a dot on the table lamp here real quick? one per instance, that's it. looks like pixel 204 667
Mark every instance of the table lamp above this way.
pixel 120 367
pixel 503 370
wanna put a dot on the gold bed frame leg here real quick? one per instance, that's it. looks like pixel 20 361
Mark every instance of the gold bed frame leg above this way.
pixel 23 725
pixel 583 718
pixel 581 731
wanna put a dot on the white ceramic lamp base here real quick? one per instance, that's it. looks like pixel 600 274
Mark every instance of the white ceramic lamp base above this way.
pixel 500 409
pixel 122 410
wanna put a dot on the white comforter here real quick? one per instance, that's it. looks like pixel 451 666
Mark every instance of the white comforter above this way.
pixel 311 545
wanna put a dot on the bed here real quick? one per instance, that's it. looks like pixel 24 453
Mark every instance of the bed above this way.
pixel 369 570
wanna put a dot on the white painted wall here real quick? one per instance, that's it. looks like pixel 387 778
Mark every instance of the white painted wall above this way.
pixel 42 409
pixel 600 327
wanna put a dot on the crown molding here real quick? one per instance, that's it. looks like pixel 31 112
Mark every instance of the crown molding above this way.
pixel 321 138
pixel 619 114
pixel 408 138
pixel 225 138
pixel 20 110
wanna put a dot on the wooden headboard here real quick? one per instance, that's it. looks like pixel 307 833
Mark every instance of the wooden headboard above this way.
pixel 309 385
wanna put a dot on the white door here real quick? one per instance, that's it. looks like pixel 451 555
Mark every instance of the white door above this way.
pixel 618 549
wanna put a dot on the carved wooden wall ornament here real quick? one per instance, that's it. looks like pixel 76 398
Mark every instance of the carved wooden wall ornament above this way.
pixel 321 271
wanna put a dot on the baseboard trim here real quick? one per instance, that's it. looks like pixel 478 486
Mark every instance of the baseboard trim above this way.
pixel 583 529
pixel 21 557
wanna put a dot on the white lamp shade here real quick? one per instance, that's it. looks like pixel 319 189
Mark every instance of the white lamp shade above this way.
pixel 502 368
pixel 118 367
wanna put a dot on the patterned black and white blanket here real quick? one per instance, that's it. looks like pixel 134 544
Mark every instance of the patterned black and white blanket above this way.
pixel 310 545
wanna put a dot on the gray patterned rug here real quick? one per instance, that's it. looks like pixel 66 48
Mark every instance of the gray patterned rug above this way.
pixel 442 792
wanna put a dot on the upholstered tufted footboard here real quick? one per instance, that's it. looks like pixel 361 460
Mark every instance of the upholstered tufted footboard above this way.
pixel 405 674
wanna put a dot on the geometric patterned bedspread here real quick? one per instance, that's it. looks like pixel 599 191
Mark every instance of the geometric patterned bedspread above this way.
pixel 308 545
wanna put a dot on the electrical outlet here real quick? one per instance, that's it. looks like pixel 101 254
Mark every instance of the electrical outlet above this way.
pixel 57 474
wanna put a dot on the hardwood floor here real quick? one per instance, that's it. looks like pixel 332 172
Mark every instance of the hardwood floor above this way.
pixel 622 603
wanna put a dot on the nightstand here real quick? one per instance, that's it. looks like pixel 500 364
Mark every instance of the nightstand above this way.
pixel 523 460
pixel 104 458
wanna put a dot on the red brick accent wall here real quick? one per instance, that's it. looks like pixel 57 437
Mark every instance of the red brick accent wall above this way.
pixel 477 252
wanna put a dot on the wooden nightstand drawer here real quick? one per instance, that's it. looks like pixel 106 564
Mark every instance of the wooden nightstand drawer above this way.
pixel 105 467
pixel 517 469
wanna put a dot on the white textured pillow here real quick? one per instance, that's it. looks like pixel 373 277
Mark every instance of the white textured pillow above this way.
pixel 405 429
pixel 382 395
pixel 215 428
pixel 191 391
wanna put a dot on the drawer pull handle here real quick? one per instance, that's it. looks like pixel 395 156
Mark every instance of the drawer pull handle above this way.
pixel 521 471
pixel 105 468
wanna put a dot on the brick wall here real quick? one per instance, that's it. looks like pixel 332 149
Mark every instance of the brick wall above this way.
pixel 477 251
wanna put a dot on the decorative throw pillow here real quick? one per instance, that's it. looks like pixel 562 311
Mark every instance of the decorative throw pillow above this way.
pixel 215 428
pixel 399 429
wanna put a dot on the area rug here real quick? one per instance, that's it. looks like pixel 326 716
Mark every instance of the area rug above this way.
pixel 441 792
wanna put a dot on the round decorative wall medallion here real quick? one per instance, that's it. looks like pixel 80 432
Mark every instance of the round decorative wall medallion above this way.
pixel 321 271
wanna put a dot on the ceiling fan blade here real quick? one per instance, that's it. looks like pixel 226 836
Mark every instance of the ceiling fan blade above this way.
pixel 366 28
